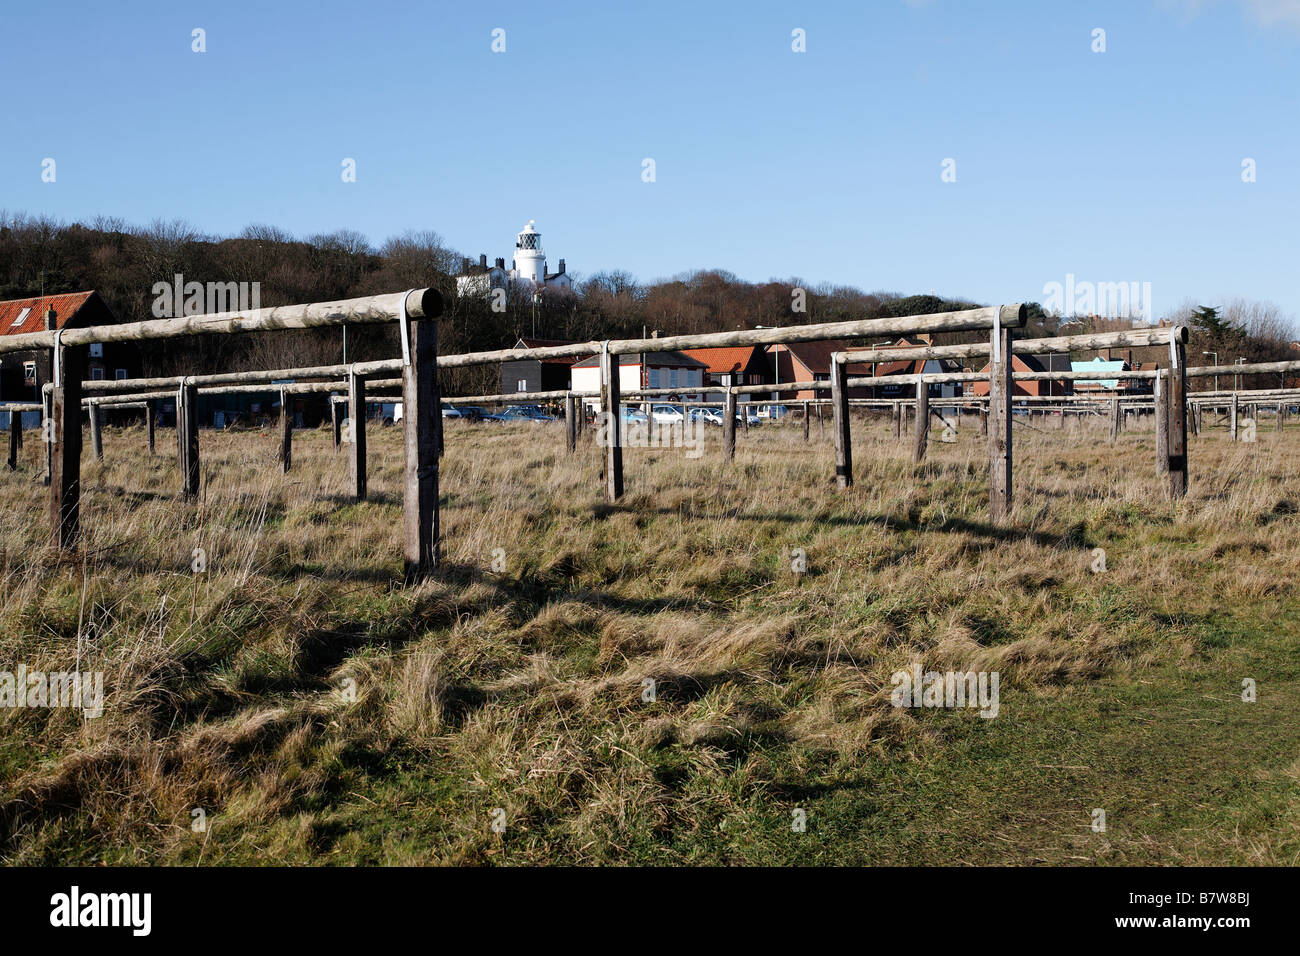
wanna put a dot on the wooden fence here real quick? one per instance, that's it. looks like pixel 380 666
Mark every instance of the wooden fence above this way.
pixel 422 420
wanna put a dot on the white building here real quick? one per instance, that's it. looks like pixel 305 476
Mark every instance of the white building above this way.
pixel 642 370
pixel 527 267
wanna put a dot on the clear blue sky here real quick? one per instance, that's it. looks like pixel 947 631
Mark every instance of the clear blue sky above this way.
pixel 1115 166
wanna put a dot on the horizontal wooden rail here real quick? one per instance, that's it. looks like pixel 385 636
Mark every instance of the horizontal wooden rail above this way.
pixel 371 309
pixel 1130 338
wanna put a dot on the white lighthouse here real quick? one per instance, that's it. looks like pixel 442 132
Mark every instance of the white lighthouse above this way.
pixel 527 268
pixel 530 260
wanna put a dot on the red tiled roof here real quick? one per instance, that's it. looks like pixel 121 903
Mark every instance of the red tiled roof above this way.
pixel 816 356
pixel 720 361
pixel 65 306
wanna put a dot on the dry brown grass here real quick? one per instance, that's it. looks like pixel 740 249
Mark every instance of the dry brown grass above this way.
pixel 522 690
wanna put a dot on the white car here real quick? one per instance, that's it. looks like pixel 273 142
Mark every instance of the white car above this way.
pixel 667 415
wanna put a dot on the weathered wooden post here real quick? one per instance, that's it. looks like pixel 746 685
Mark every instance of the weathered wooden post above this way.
pixel 1196 419
pixel 65 462
pixel 984 420
pixel 47 433
pixel 921 432
pixel 841 430
pixel 15 437
pixel 1114 418
pixel 1279 417
pixel 286 433
pixel 150 410
pixel 611 406
pixel 1176 421
pixel 729 425
pixel 898 420
pixel 420 431
pixel 336 421
pixel 806 422
pixel 187 426
pixel 1000 450
pixel 570 423
pixel 1161 411
pixel 96 417
pixel 356 429
pixel 1232 418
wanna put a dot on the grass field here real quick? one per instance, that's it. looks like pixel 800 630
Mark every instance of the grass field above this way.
pixel 315 711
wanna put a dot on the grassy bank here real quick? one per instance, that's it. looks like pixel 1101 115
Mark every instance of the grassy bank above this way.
pixel 315 711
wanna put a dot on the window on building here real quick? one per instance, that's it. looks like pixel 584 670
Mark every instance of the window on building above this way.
pixel 97 374
pixel 672 378
pixel 29 373
pixel 96 349
pixel 119 374
pixel 654 378
pixel 523 385
pixel 22 317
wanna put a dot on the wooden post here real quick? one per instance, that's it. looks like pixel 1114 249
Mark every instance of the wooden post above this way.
pixel 570 424
pixel 96 417
pixel 1161 411
pixel 729 425
pixel 1176 423
pixel 1279 417
pixel 286 434
pixel 898 419
pixel 15 438
pixel 744 417
pixel 357 433
pixel 841 430
pixel 1196 419
pixel 187 426
pixel 611 406
pixel 921 432
pixel 420 430
pixel 65 462
pixel 984 420
pixel 1000 450
pixel 150 410
pixel 806 422
pixel 1114 419
pixel 1232 419
pixel 336 421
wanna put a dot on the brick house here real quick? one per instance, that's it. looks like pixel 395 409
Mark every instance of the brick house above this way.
pixel 811 362
pixel 728 366
pixel 23 374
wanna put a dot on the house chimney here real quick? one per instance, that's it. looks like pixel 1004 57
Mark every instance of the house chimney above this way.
pixel 51 319
pixel 482 260
pixel 561 267
pixel 501 263
pixel 464 265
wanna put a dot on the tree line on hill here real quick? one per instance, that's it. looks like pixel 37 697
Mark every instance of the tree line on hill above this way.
pixel 124 263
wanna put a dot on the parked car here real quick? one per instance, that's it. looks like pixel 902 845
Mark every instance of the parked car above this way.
pixel 455 411
pixel 635 415
pixel 525 413
pixel 710 416
pixel 773 412
pixel 753 419
pixel 667 414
